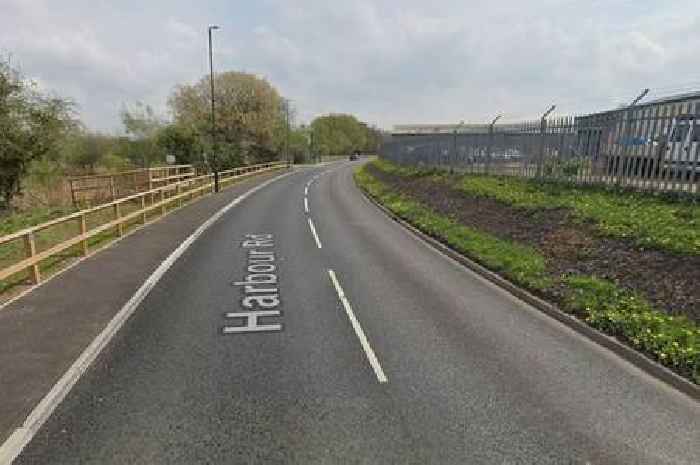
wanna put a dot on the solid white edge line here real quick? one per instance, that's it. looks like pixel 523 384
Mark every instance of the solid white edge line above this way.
pixel 14 445
pixel 306 204
pixel 313 231
pixel 371 356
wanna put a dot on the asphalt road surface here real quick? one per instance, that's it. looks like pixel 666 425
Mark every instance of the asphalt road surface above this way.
pixel 319 331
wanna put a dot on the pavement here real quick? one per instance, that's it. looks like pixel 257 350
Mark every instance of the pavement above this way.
pixel 306 327
pixel 42 333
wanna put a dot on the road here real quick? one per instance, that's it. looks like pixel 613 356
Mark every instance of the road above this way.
pixel 374 349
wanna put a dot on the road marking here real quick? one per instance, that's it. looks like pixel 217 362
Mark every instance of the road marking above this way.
pixel 11 448
pixel 313 231
pixel 260 287
pixel 306 190
pixel 306 204
pixel 252 322
pixel 373 361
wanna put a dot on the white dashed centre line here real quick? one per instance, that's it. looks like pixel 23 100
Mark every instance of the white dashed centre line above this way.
pixel 371 356
pixel 313 231
pixel 306 204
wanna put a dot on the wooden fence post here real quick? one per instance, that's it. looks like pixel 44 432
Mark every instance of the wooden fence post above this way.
pixel 117 215
pixel 162 200
pixel 143 208
pixel 83 230
pixel 72 193
pixel 30 250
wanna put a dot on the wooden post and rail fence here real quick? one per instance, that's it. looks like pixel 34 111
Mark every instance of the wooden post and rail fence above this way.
pixel 130 209
pixel 115 185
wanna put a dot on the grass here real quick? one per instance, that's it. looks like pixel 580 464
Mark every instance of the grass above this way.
pixel 649 220
pixel 674 341
pixel 520 263
pixel 17 221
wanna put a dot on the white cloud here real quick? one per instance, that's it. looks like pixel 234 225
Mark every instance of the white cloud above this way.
pixel 386 61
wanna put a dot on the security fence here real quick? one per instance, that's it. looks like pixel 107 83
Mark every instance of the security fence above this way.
pixel 647 147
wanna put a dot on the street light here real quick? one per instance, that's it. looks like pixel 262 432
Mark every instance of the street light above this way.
pixel 213 121
pixel 286 145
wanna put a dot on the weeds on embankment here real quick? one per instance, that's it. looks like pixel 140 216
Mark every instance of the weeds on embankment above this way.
pixel 520 263
pixel 650 220
pixel 673 340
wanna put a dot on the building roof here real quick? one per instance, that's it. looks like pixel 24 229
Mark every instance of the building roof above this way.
pixel 695 95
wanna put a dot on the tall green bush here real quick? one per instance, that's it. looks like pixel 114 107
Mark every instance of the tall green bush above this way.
pixel 30 126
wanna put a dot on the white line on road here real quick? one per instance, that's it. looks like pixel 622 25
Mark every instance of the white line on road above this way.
pixel 306 190
pixel 12 447
pixel 313 231
pixel 376 366
pixel 306 204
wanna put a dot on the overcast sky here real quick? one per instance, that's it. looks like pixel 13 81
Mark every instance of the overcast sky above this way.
pixel 387 62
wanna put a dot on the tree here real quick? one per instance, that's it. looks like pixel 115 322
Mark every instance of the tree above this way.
pixel 30 126
pixel 338 134
pixel 85 151
pixel 182 142
pixel 247 115
pixel 374 139
pixel 142 126
pixel 300 144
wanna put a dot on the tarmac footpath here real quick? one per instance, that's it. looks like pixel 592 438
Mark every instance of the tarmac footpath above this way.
pixel 43 332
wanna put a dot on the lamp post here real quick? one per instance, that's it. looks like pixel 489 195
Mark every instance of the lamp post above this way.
pixel 215 157
pixel 286 144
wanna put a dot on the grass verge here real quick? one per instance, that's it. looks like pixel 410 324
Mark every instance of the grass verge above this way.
pixel 17 221
pixel 520 263
pixel 650 220
pixel 674 341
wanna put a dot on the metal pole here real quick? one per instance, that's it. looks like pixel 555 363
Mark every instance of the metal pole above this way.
pixel 490 142
pixel 213 120
pixel 620 170
pixel 286 108
pixel 461 123
pixel 543 130
pixel 311 145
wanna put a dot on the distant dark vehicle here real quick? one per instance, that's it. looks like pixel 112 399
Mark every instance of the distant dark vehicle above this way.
pixel 355 156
